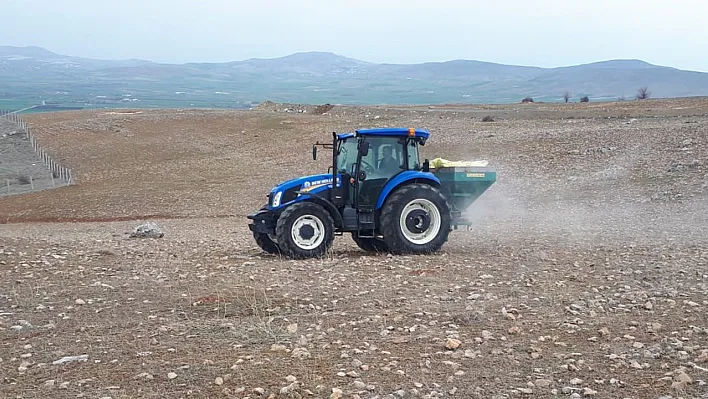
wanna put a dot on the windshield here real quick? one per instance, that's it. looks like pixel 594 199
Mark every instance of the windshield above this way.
pixel 380 147
pixel 346 159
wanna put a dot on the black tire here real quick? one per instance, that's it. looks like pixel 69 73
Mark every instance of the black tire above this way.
pixel 266 243
pixel 370 244
pixel 400 242
pixel 323 235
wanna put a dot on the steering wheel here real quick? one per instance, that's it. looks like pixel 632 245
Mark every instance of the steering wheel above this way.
pixel 367 167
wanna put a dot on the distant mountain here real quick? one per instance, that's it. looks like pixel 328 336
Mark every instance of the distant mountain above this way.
pixel 32 75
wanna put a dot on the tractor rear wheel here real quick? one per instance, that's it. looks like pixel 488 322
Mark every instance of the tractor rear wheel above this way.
pixel 370 244
pixel 304 230
pixel 416 219
pixel 267 242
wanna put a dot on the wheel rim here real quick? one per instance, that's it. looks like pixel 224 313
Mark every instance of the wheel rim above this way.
pixel 420 221
pixel 308 232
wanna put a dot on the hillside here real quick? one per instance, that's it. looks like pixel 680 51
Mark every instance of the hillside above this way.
pixel 30 75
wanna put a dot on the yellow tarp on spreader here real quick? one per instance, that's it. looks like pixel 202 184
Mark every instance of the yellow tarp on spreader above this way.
pixel 444 163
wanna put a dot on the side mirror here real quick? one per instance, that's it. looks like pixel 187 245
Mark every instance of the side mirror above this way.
pixel 364 148
pixel 362 175
pixel 314 152
pixel 426 165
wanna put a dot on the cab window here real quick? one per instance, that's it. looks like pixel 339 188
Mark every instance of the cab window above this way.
pixel 413 157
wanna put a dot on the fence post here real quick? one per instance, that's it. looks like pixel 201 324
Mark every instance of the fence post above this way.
pixel 55 169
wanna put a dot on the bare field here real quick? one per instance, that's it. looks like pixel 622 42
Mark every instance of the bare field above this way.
pixel 586 274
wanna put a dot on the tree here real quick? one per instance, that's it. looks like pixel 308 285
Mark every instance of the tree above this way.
pixel 643 93
pixel 584 99
pixel 566 96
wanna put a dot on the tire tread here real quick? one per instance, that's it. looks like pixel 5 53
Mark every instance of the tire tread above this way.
pixel 284 224
pixel 390 215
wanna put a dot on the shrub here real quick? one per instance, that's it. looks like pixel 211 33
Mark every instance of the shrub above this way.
pixel 487 119
pixel 643 93
pixel 527 100
pixel 584 99
pixel 23 179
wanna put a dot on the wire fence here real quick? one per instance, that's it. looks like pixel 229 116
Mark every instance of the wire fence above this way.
pixel 58 175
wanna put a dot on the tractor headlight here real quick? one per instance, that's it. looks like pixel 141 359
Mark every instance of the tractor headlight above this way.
pixel 276 199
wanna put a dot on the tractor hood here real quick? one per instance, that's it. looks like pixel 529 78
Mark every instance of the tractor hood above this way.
pixel 286 192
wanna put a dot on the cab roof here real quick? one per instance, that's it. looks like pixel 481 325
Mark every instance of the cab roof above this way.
pixel 386 131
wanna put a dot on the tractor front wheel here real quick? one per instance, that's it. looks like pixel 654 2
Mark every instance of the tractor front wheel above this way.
pixel 416 219
pixel 304 230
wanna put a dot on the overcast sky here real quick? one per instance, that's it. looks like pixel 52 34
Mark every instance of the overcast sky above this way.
pixel 525 32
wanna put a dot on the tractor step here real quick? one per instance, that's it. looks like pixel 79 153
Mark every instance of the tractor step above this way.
pixel 367 224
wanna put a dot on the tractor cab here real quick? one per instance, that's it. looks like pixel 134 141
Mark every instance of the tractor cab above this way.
pixel 371 158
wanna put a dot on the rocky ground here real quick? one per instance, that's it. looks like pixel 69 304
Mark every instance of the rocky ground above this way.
pixel 585 275
pixel 21 171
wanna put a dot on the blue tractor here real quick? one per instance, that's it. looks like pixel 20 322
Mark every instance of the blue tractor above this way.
pixel 377 190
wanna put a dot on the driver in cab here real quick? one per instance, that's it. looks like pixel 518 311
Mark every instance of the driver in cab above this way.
pixel 388 163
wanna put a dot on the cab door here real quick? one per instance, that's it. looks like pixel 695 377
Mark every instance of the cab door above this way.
pixel 377 172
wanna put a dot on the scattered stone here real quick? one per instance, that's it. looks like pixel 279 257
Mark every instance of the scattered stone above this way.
pixel 589 392
pixel 576 381
pixel 452 343
pixel 69 359
pixel 300 353
pixel 655 327
pixel 292 328
pixel 292 387
pixel 146 376
pixel 147 230
pixel 278 348
pixel 541 383
pixel 702 356
pixel 336 393
pixel 219 381
pixel 171 375
pixel 683 379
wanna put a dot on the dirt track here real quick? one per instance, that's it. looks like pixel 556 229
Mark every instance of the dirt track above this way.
pixel 586 272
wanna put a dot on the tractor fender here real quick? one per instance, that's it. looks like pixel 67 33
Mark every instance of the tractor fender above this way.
pixel 318 199
pixel 403 178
